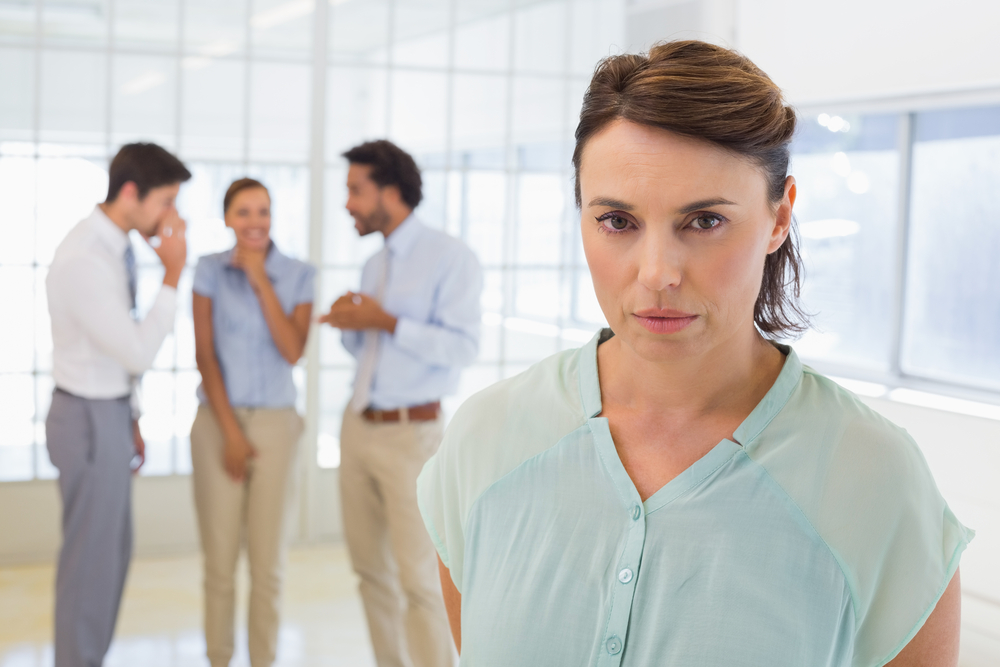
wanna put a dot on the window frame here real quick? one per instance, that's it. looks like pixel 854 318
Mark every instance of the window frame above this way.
pixel 896 384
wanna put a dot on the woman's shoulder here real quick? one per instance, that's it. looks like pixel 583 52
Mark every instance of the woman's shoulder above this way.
pixel 509 422
pixel 540 398
pixel 492 434
pixel 214 259
pixel 827 432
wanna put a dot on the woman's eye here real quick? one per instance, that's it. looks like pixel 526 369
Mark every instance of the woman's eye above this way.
pixel 706 222
pixel 614 223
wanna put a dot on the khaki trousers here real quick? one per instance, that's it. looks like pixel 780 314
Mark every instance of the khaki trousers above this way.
pixel 390 549
pixel 256 508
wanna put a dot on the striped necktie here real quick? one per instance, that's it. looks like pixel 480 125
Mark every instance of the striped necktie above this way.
pixel 369 358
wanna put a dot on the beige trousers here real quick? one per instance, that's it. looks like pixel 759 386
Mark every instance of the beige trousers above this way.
pixel 390 549
pixel 255 509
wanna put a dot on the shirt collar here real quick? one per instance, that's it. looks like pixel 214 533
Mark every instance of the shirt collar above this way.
pixel 590 384
pixel 113 236
pixel 402 239
pixel 758 419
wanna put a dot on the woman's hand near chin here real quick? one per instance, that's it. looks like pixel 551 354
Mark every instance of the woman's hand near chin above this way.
pixel 251 262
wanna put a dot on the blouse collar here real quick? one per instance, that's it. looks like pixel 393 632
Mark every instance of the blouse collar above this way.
pixel 758 419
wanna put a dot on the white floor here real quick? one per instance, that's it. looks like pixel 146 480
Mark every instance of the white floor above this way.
pixel 160 620
pixel 323 624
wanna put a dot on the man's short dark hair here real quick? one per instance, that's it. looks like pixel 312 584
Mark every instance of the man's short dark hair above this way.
pixel 147 165
pixel 391 165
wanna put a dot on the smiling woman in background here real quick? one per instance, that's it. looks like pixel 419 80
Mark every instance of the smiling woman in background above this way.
pixel 252 309
pixel 682 490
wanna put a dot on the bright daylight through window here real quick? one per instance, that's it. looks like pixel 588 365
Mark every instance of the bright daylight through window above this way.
pixel 486 95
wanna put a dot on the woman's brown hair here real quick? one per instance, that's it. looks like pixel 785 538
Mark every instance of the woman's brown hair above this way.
pixel 237 186
pixel 707 92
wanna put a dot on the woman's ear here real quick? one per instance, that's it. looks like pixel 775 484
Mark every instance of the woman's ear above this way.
pixel 783 216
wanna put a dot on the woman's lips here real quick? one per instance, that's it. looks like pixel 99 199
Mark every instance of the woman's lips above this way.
pixel 664 321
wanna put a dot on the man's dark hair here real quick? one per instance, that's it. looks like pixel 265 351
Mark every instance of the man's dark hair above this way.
pixel 147 165
pixel 391 165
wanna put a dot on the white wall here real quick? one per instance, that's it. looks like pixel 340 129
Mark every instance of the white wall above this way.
pixel 162 513
pixel 820 52
pixel 848 49
pixel 964 454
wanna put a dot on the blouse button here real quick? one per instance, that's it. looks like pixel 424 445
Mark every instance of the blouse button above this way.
pixel 614 645
pixel 625 576
pixel 636 512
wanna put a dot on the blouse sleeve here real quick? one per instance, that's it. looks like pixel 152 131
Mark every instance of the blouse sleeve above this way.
pixel 306 289
pixel 437 498
pixel 206 277
pixel 914 543
pixel 863 484
pixel 478 448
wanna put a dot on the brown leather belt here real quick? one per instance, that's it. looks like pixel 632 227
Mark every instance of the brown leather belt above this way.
pixel 417 413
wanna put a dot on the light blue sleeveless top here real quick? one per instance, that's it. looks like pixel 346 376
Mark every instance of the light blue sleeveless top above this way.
pixel 817 537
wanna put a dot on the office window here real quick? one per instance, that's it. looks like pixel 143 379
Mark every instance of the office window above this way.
pixel 847 170
pixel 952 308
pixel 110 77
pixel 902 297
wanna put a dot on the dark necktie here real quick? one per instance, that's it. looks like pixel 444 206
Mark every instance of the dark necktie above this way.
pixel 133 278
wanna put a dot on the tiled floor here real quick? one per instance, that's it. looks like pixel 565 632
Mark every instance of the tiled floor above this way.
pixel 323 624
pixel 160 621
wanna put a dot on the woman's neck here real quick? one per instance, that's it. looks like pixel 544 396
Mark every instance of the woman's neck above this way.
pixel 731 376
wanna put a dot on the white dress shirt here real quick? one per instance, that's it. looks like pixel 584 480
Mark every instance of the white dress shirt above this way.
pixel 97 347
pixel 433 285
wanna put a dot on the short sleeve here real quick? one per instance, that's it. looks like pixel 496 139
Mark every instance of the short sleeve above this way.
pixel 863 484
pixel 306 289
pixel 440 517
pixel 206 277
pixel 904 573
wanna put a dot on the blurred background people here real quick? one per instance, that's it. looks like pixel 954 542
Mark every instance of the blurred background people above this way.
pixel 252 310
pixel 412 326
pixel 99 352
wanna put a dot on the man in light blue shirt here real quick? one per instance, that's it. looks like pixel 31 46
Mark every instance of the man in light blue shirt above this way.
pixel 412 326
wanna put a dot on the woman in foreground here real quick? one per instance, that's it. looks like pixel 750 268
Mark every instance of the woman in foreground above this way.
pixel 683 491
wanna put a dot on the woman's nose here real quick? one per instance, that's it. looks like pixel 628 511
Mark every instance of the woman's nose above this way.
pixel 660 262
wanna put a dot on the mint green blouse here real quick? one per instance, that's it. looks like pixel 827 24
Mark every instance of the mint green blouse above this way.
pixel 815 537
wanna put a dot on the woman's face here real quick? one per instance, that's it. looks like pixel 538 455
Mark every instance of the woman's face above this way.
pixel 249 215
pixel 676 231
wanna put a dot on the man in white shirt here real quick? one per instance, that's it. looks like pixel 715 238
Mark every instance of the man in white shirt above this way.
pixel 99 353
pixel 413 326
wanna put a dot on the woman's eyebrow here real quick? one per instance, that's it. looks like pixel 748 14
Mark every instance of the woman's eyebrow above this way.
pixel 610 203
pixel 705 203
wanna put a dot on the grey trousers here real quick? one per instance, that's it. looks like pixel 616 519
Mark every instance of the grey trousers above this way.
pixel 90 442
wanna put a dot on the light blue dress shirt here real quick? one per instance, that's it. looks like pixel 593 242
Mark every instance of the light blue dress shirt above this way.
pixel 433 287
pixel 815 537
pixel 255 373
